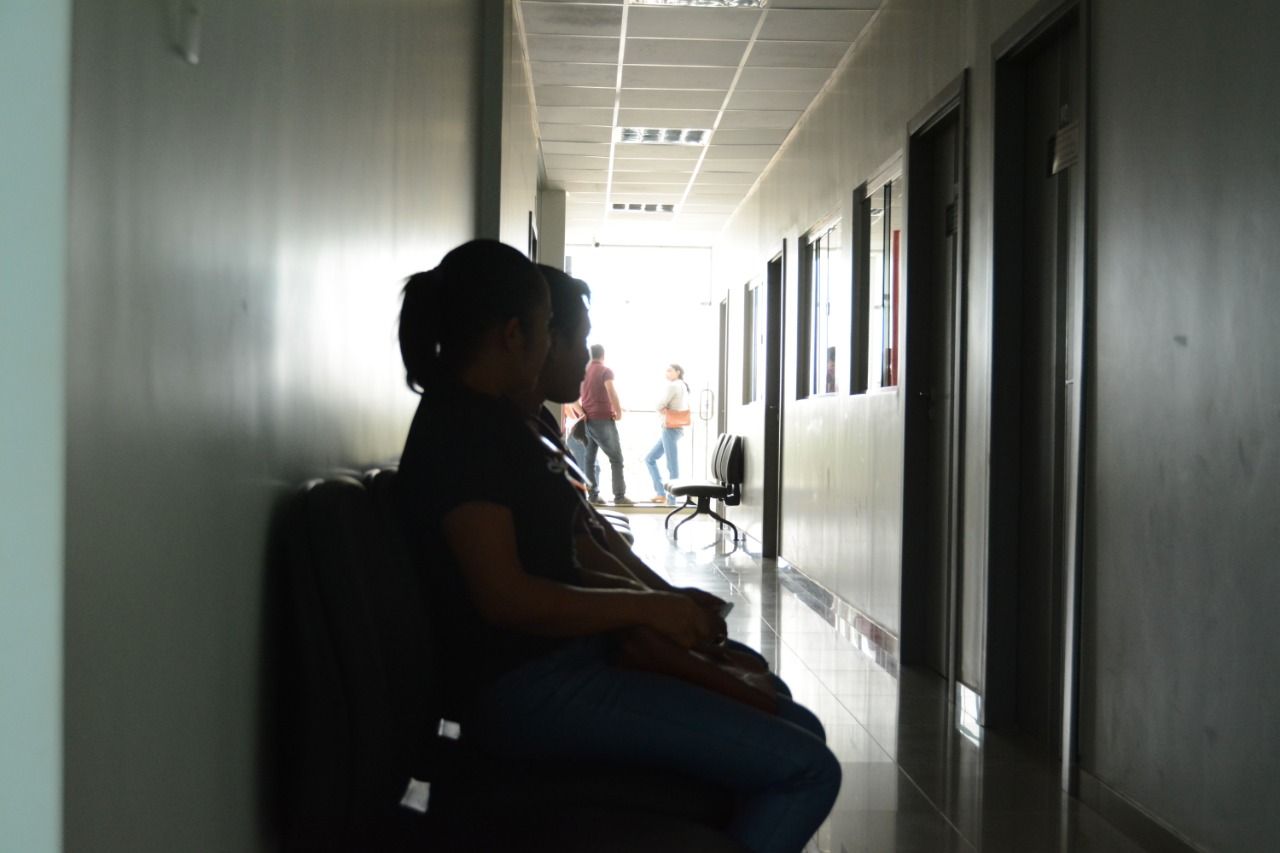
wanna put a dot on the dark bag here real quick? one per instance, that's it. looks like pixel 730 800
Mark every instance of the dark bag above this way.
pixel 715 669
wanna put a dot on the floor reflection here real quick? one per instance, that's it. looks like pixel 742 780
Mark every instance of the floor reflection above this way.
pixel 919 775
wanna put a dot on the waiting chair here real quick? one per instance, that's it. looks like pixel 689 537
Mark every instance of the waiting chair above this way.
pixel 725 485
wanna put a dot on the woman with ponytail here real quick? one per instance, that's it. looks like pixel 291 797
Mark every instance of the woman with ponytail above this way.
pixel 525 644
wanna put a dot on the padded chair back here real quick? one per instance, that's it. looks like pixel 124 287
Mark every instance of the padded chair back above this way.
pixel 727 466
pixel 359 670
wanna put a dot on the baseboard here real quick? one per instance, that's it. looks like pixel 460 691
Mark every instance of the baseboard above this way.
pixel 867 635
pixel 1129 817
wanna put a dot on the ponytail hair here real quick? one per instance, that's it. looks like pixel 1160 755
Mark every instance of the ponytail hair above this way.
pixel 446 311
pixel 679 374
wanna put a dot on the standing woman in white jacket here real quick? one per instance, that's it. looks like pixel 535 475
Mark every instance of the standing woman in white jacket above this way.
pixel 673 414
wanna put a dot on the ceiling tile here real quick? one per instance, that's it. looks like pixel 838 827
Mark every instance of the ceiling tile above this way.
pixel 672 99
pixel 743 99
pixel 574 132
pixel 591 149
pixel 577 186
pixel 573 161
pixel 574 96
pixel 575 115
pixel 820 4
pixel 814 25
pixel 706 178
pixel 622 164
pixel 624 178
pixel 783 79
pixel 571 18
pixel 676 77
pixel 657 152
pixel 668 191
pixel 740 152
pixel 761 118
pixel 797 54
pixel 641 51
pixel 573 74
pixel 551 48
pixel 736 165
pixel 750 135
pixel 675 22
pixel 689 119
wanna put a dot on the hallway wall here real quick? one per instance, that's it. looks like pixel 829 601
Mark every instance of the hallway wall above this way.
pixel 1182 455
pixel 239 233
pixel 1182 572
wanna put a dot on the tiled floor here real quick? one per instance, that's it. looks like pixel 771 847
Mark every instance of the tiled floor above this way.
pixel 913 779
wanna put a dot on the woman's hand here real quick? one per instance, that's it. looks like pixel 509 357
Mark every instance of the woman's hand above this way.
pixel 678 618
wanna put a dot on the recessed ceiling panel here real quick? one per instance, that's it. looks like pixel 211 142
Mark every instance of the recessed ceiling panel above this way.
pixel 573 96
pixel 871 5
pixel 682 119
pixel 672 99
pixel 574 161
pixel 814 25
pixel 655 152
pixel 797 54
pixel 644 177
pixel 549 48
pixel 684 52
pixel 707 178
pixel 687 22
pixel 736 164
pixel 571 19
pixel 750 136
pixel 676 77
pixel 741 152
pixel 765 118
pixel 742 99
pixel 575 115
pixel 591 149
pixel 784 79
pixel 574 74
pixel 574 132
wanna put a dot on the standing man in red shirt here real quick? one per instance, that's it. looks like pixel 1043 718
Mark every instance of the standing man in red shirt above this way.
pixel 601 408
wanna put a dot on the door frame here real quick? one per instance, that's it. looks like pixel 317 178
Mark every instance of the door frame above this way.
pixel 1038 27
pixel 775 287
pixel 951 102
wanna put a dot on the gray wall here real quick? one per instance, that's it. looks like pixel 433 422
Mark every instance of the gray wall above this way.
pixel 1182 570
pixel 35 45
pixel 1182 459
pixel 239 233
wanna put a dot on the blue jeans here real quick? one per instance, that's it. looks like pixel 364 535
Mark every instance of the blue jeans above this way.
pixel 572 705
pixel 603 435
pixel 666 445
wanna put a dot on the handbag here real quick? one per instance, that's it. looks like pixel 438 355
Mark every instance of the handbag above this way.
pixel 713 669
pixel 673 418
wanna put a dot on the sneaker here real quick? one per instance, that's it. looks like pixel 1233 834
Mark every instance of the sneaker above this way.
pixel 595 499
pixel 623 500
pixel 658 499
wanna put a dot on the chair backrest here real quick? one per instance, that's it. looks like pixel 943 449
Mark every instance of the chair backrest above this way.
pixel 359 670
pixel 727 466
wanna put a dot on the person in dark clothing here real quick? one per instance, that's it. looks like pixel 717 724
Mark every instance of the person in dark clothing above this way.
pixel 602 410
pixel 527 641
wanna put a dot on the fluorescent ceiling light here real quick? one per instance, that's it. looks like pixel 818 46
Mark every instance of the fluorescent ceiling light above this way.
pixel 633 207
pixel 662 136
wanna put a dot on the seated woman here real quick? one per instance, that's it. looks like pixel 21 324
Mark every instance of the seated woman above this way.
pixel 526 644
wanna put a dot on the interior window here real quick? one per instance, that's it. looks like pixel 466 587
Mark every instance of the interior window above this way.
pixel 884 216
pixel 753 343
pixel 828 312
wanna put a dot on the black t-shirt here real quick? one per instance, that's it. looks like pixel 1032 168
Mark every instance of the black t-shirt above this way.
pixel 465 447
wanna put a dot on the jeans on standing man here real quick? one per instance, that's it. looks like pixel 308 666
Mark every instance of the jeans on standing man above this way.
pixel 603 435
